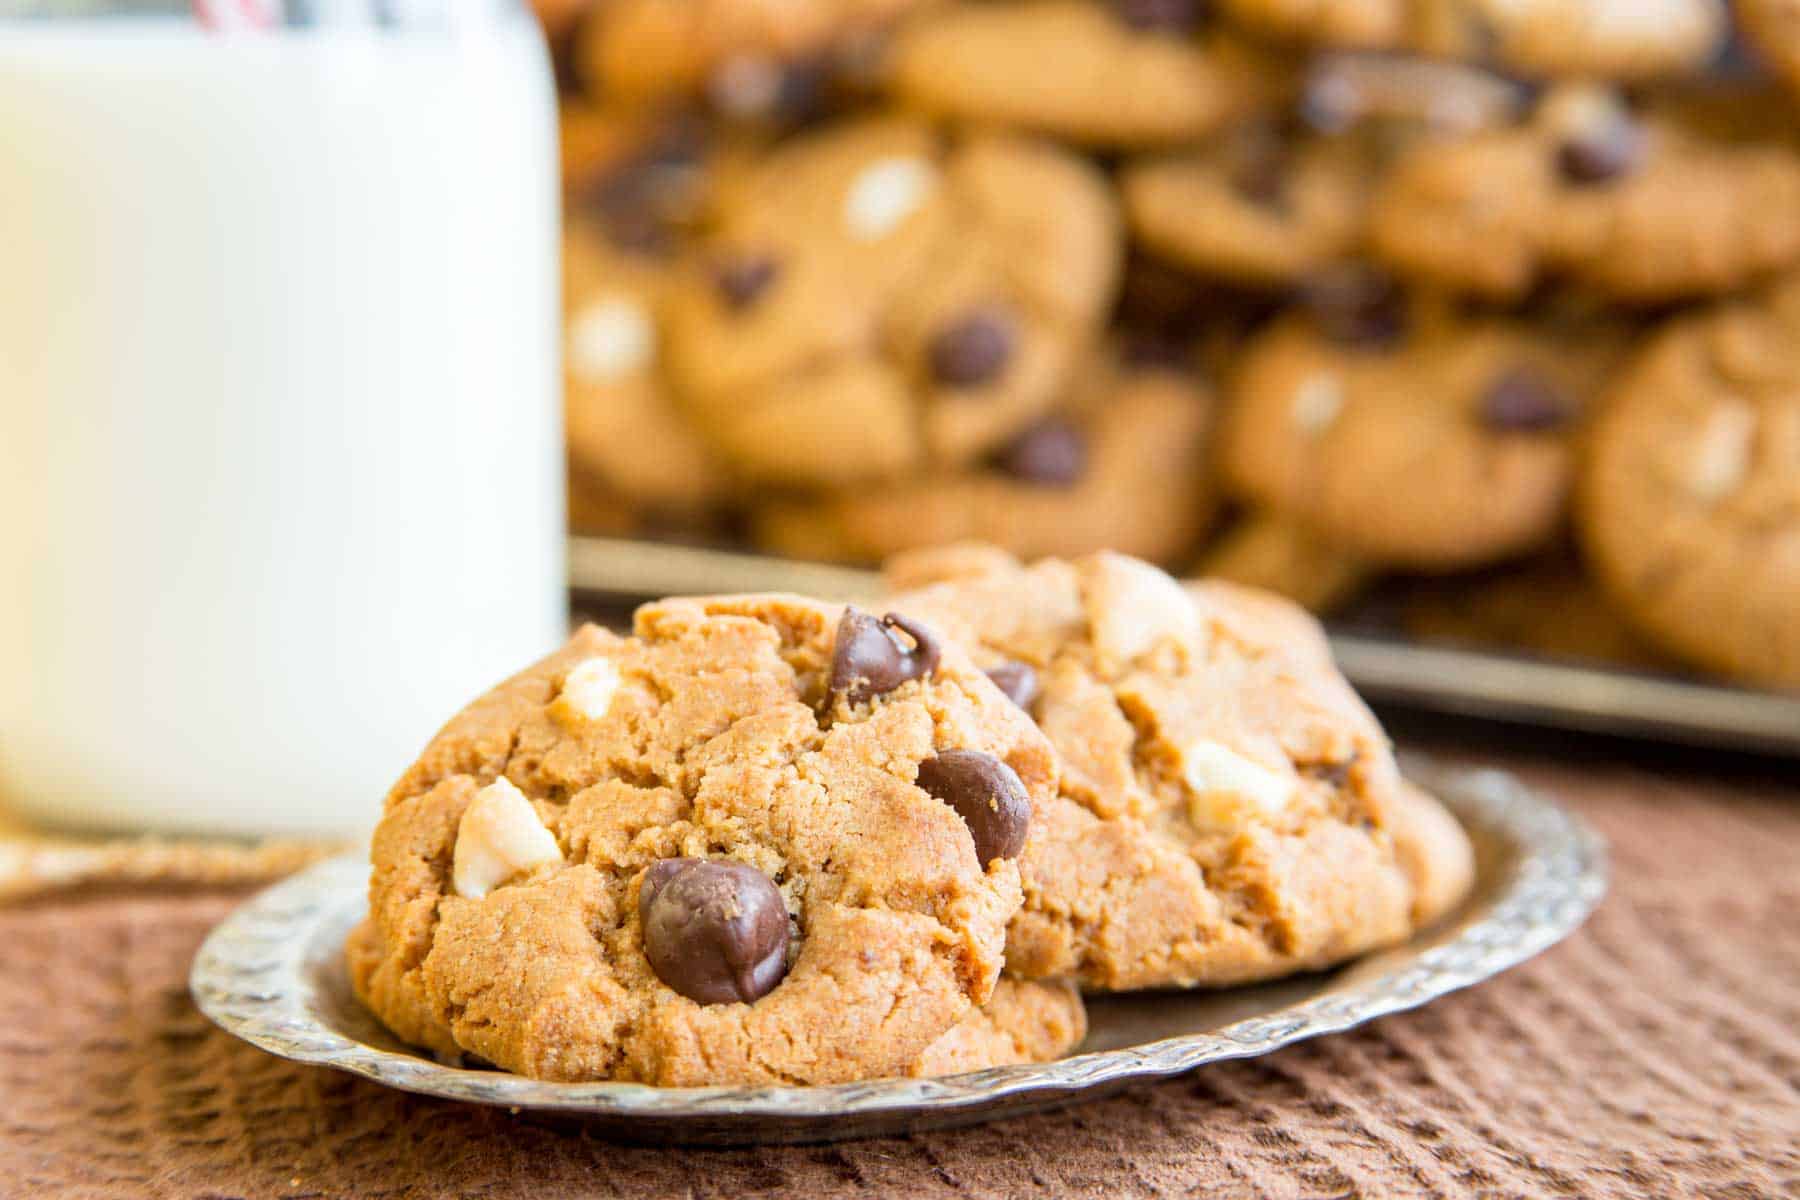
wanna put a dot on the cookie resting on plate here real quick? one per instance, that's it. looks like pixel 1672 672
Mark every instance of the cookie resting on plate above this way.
pixel 762 840
pixel 1229 810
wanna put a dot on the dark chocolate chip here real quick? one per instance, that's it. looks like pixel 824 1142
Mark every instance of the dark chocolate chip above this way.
pixel 1600 155
pixel 1018 680
pixel 868 660
pixel 973 350
pixel 1356 307
pixel 1522 401
pixel 1161 16
pixel 1052 453
pixel 741 280
pixel 715 931
pixel 987 794
pixel 1261 177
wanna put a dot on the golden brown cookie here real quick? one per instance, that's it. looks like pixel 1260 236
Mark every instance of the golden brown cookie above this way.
pixel 762 840
pixel 1113 73
pixel 1690 501
pixel 877 299
pixel 1268 205
pixel 749 59
pixel 1438 442
pixel 1228 811
pixel 1592 39
pixel 1274 554
pixel 1123 466
pixel 1640 209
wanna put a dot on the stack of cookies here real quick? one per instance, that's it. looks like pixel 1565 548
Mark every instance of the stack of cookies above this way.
pixel 1496 297
pixel 768 840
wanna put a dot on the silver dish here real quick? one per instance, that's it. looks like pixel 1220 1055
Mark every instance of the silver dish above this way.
pixel 273 974
pixel 1388 670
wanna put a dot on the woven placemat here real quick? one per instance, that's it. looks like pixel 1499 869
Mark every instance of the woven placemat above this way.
pixel 34 861
pixel 1655 1053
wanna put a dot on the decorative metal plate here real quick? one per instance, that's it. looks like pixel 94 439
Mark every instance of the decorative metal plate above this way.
pixel 273 974
pixel 1386 669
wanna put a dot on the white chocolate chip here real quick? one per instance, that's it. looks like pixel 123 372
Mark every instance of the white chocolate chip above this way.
pixel 1131 606
pixel 1721 454
pixel 500 836
pixel 1317 403
pixel 887 192
pixel 609 338
pixel 1227 788
pixel 587 690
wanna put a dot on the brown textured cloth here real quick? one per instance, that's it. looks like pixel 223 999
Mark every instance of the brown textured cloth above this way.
pixel 1654 1054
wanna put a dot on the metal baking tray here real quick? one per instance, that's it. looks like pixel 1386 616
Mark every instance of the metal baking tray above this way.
pixel 1387 670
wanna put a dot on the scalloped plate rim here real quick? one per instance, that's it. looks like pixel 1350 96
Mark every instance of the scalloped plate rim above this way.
pixel 1557 867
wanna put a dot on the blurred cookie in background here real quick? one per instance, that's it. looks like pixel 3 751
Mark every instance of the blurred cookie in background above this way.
pixel 1273 554
pixel 1590 39
pixel 1637 207
pixel 1772 28
pixel 1548 607
pixel 1271 202
pixel 1412 434
pixel 876 298
pixel 1111 74
pixel 1123 465
pixel 1690 502
pixel 746 60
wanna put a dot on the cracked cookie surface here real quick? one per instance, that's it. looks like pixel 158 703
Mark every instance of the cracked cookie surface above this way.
pixel 1229 810
pixel 1690 503
pixel 707 854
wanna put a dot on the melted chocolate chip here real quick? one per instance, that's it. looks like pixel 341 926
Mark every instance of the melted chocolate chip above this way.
pixel 973 350
pixel 1356 307
pixel 1610 151
pixel 987 794
pixel 1052 453
pixel 742 280
pixel 869 661
pixel 1019 681
pixel 1161 16
pixel 715 931
pixel 1523 401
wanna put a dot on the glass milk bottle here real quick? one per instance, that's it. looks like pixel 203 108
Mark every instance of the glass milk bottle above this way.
pixel 280 460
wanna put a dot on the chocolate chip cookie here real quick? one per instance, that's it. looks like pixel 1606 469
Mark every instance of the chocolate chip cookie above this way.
pixel 1106 73
pixel 1593 39
pixel 877 298
pixel 1124 465
pixel 1690 502
pixel 748 59
pixel 762 840
pixel 1228 809
pixel 1426 439
pixel 1636 207
pixel 1271 203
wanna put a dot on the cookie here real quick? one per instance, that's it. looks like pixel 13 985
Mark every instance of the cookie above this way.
pixel 1268 553
pixel 1547 608
pixel 1025 1022
pixel 1103 73
pixel 1434 441
pixel 1124 466
pixel 762 840
pixel 1637 208
pixel 1267 206
pixel 878 298
pixel 1772 27
pixel 625 432
pixel 748 59
pixel 1690 501
pixel 1593 39
pixel 1229 810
